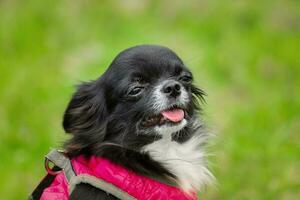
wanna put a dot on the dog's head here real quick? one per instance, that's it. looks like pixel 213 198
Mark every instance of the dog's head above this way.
pixel 146 93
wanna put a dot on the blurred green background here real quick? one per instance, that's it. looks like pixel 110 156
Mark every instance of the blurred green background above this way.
pixel 244 54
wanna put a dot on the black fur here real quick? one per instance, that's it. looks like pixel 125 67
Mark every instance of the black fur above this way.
pixel 104 117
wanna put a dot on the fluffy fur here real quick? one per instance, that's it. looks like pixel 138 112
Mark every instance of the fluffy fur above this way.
pixel 119 116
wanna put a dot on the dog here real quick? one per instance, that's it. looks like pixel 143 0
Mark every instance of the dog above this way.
pixel 141 114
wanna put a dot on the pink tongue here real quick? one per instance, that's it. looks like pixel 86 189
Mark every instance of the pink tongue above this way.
pixel 174 115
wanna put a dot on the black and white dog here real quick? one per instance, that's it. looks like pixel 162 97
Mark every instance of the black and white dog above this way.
pixel 142 113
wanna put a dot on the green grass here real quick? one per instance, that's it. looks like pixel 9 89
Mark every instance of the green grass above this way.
pixel 244 54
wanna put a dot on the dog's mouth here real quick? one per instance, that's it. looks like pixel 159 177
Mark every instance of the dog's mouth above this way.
pixel 168 116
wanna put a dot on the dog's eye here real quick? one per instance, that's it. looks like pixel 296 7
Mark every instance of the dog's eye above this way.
pixel 186 79
pixel 135 91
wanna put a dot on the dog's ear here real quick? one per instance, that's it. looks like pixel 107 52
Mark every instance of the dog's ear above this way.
pixel 87 110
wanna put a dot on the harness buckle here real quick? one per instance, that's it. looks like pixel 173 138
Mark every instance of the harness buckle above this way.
pixel 54 170
pixel 49 169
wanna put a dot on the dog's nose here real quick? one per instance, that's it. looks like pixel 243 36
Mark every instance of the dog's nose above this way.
pixel 172 88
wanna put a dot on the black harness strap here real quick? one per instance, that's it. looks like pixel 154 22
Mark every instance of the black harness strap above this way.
pixel 46 182
pixel 61 162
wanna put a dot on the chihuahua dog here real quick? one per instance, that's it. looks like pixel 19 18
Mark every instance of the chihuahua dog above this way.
pixel 141 114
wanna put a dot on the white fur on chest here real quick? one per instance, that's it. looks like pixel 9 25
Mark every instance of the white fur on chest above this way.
pixel 185 161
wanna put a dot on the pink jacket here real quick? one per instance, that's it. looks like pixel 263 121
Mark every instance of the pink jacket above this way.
pixel 139 187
